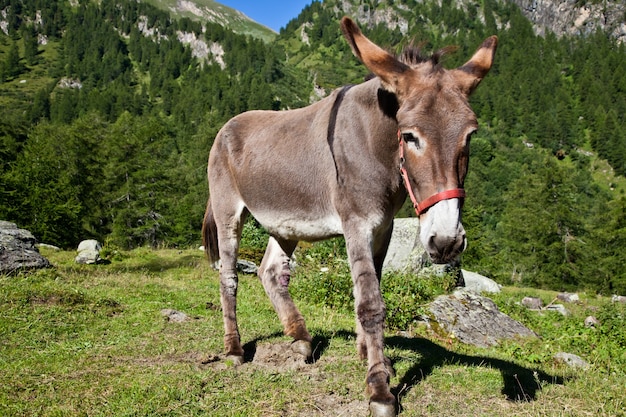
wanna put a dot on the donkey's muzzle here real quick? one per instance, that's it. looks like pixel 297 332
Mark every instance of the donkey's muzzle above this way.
pixel 444 248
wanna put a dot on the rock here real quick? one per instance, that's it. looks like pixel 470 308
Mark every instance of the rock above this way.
pixel 568 297
pixel 47 246
pixel 478 283
pixel 569 17
pixel 18 251
pixel 533 303
pixel 89 252
pixel 574 361
pixel 591 321
pixel 174 316
pixel 618 299
pixel 88 257
pixel 474 319
pixel 243 266
pixel 89 244
pixel 559 308
pixel 405 253
pixel 246 267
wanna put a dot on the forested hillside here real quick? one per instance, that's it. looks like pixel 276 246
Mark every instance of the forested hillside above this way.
pixel 108 114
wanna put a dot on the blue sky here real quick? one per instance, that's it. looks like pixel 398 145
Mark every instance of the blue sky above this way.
pixel 271 13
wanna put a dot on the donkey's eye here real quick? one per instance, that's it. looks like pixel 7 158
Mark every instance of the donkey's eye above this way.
pixel 411 138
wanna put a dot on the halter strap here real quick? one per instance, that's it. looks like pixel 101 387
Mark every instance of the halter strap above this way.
pixel 422 207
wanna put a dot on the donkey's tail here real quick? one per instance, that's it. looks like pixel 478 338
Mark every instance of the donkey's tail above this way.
pixel 209 235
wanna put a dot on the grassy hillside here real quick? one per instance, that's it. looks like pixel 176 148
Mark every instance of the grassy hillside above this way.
pixel 91 340
pixel 17 93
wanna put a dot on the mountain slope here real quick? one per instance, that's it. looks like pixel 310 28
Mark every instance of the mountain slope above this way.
pixel 566 17
pixel 212 11
pixel 106 129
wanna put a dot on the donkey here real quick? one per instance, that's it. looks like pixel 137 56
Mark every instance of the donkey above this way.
pixel 344 166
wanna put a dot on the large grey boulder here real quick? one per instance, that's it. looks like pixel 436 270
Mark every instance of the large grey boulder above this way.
pixel 474 319
pixel 405 253
pixel 18 251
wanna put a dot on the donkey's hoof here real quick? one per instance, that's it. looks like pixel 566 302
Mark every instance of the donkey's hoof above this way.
pixel 302 347
pixel 382 410
pixel 236 360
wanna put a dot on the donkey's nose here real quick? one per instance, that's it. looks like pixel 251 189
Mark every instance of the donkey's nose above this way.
pixel 444 248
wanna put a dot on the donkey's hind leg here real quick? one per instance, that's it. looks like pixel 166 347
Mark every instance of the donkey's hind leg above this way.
pixel 275 275
pixel 229 236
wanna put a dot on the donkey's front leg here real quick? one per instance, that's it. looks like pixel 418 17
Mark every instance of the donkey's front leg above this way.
pixel 370 314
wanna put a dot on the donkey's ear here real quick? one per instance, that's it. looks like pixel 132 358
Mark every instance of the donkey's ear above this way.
pixel 376 59
pixel 473 71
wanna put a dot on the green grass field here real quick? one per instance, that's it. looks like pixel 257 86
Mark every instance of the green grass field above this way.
pixel 82 340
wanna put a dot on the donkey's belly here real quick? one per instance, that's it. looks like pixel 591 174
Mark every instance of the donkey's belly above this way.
pixel 307 228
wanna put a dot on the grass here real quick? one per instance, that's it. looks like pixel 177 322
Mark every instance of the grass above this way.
pixel 91 340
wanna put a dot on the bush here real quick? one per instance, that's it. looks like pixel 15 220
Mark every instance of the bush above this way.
pixel 323 278
pixel 323 275
pixel 407 295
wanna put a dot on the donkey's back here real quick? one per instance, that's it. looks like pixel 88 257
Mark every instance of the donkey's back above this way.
pixel 280 167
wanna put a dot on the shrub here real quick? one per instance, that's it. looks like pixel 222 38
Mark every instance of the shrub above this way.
pixel 323 278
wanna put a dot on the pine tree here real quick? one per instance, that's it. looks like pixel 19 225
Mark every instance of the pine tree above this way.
pixel 12 65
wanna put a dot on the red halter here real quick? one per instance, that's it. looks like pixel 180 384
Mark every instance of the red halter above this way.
pixel 422 207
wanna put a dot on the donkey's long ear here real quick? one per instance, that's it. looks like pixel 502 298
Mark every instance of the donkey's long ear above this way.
pixel 473 71
pixel 376 59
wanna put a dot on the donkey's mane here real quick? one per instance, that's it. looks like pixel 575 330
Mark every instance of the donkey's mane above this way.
pixel 413 55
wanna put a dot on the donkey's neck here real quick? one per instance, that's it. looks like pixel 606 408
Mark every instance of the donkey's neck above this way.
pixel 375 109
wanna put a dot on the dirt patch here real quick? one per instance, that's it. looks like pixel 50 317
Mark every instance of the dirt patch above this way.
pixel 278 357
pixel 334 405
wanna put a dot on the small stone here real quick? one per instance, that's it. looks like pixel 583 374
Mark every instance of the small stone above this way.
pixel 618 299
pixel 87 257
pixel 573 361
pixel 559 308
pixel 591 321
pixel 89 252
pixel 174 316
pixel 533 303
pixel 246 267
pixel 568 297
pixel 89 244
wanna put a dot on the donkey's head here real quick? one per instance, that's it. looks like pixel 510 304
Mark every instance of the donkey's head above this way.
pixel 435 123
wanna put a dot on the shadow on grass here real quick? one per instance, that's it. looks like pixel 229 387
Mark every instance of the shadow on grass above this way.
pixel 249 348
pixel 520 383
